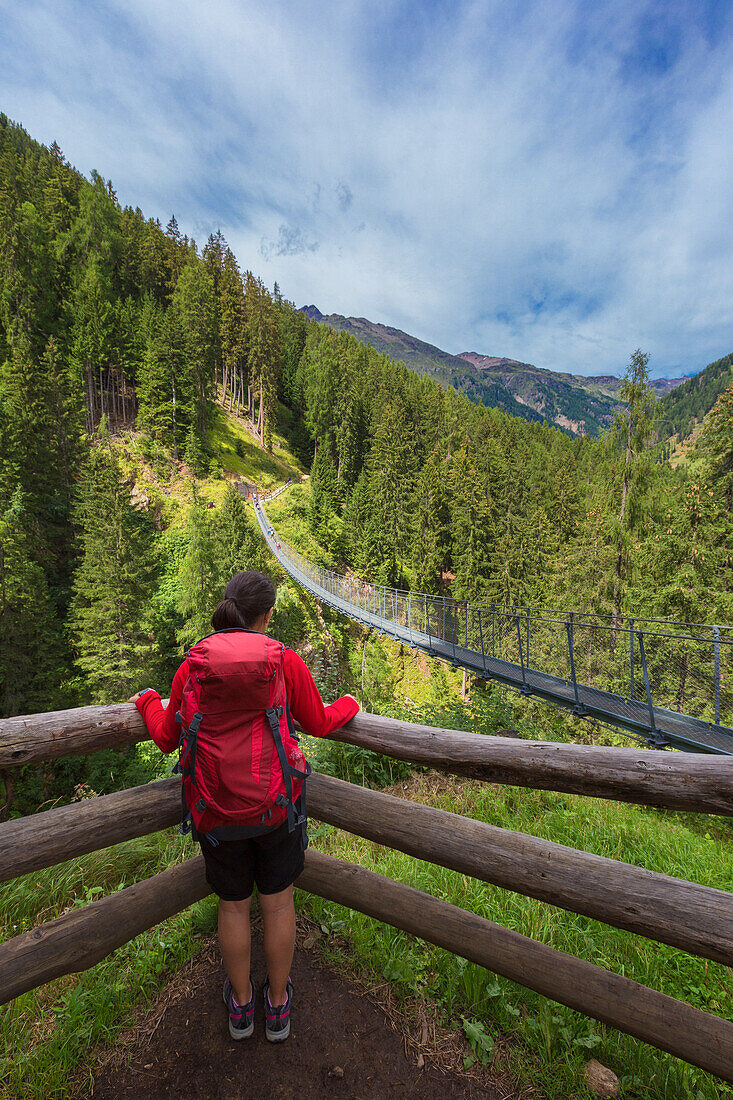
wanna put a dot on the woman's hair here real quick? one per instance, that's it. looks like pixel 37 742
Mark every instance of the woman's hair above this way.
pixel 247 597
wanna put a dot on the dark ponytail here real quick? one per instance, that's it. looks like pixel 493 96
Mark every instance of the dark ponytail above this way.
pixel 247 597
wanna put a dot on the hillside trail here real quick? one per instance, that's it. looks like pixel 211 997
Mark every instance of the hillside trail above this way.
pixel 343 1045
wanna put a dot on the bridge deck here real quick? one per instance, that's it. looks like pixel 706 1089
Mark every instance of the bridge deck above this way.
pixel 668 728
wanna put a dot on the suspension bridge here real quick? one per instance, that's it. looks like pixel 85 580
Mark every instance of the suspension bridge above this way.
pixel 668 684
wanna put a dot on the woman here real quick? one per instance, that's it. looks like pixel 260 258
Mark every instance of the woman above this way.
pixel 274 859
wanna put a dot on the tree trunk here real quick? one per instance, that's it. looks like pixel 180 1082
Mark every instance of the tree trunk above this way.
pixel 175 426
pixel 619 545
pixel 89 398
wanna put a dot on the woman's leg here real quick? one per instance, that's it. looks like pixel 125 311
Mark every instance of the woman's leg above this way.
pixel 278 915
pixel 234 942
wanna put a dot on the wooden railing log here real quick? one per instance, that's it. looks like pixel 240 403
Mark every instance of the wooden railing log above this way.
pixel 41 840
pixel 78 940
pixel 684 914
pixel 669 1024
pixel 82 938
pixel 31 738
pixel 677 781
pixel 669 780
pixel 695 918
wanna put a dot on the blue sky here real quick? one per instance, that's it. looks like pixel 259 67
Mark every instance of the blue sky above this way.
pixel 547 181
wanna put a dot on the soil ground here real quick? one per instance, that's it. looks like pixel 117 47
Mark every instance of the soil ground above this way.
pixel 343 1045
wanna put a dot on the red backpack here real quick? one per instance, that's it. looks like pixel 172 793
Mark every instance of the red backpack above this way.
pixel 242 767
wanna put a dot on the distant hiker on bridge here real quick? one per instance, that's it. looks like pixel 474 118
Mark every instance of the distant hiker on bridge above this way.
pixel 243 784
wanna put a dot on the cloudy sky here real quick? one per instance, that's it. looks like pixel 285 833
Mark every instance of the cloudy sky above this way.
pixel 547 181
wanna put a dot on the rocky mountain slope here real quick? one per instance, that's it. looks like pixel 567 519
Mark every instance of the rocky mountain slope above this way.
pixel 581 406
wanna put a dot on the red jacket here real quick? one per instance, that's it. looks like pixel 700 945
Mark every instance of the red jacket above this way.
pixel 306 705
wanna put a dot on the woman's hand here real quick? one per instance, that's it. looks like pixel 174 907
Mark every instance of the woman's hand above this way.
pixel 134 698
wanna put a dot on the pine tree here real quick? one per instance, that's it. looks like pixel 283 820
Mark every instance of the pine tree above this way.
pixel 193 455
pixel 231 306
pixel 156 272
pixel 324 494
pixel 239 545
pixel 193 306
pixel 93 342
pixel 263 354
pixel 392 468
pixel 113 582
pixel 360 536
pixel 199 580
pixel 176 251
pixel 351 437
pixel 30 649
pixel 471 528
pixel 636 425
pixel 431 533
pixel 321 381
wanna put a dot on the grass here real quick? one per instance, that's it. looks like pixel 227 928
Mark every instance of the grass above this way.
pixel 232 439
pixel 554 1041
pixel 46 1035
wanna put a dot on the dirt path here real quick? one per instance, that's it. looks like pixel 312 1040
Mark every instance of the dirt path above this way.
pixel 342 1045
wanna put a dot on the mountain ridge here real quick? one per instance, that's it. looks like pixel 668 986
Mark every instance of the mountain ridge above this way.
pixel 578 405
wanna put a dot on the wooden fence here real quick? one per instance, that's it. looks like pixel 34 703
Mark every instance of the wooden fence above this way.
pixel 686 915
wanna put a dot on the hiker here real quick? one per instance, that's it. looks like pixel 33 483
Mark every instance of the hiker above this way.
pixel 244 783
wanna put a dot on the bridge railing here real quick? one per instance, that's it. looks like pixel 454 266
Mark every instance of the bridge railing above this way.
pixel 686 668
pixel 687 915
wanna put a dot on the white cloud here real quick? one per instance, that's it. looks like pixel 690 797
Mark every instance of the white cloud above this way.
pixel 516 184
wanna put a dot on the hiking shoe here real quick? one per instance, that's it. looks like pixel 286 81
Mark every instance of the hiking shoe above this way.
pixel 277 1017
pixel 241 1017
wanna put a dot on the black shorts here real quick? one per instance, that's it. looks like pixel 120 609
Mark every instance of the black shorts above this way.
pixel 273 861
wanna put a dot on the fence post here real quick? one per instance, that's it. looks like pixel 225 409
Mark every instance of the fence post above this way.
pixel 570 627
pixel 443 634
pixel 631 659
pixel 656 738
pixel 526 689
pixel 481 639
pixel 493 624
pixel 716 653
pixel 527 637
pixel 466 624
